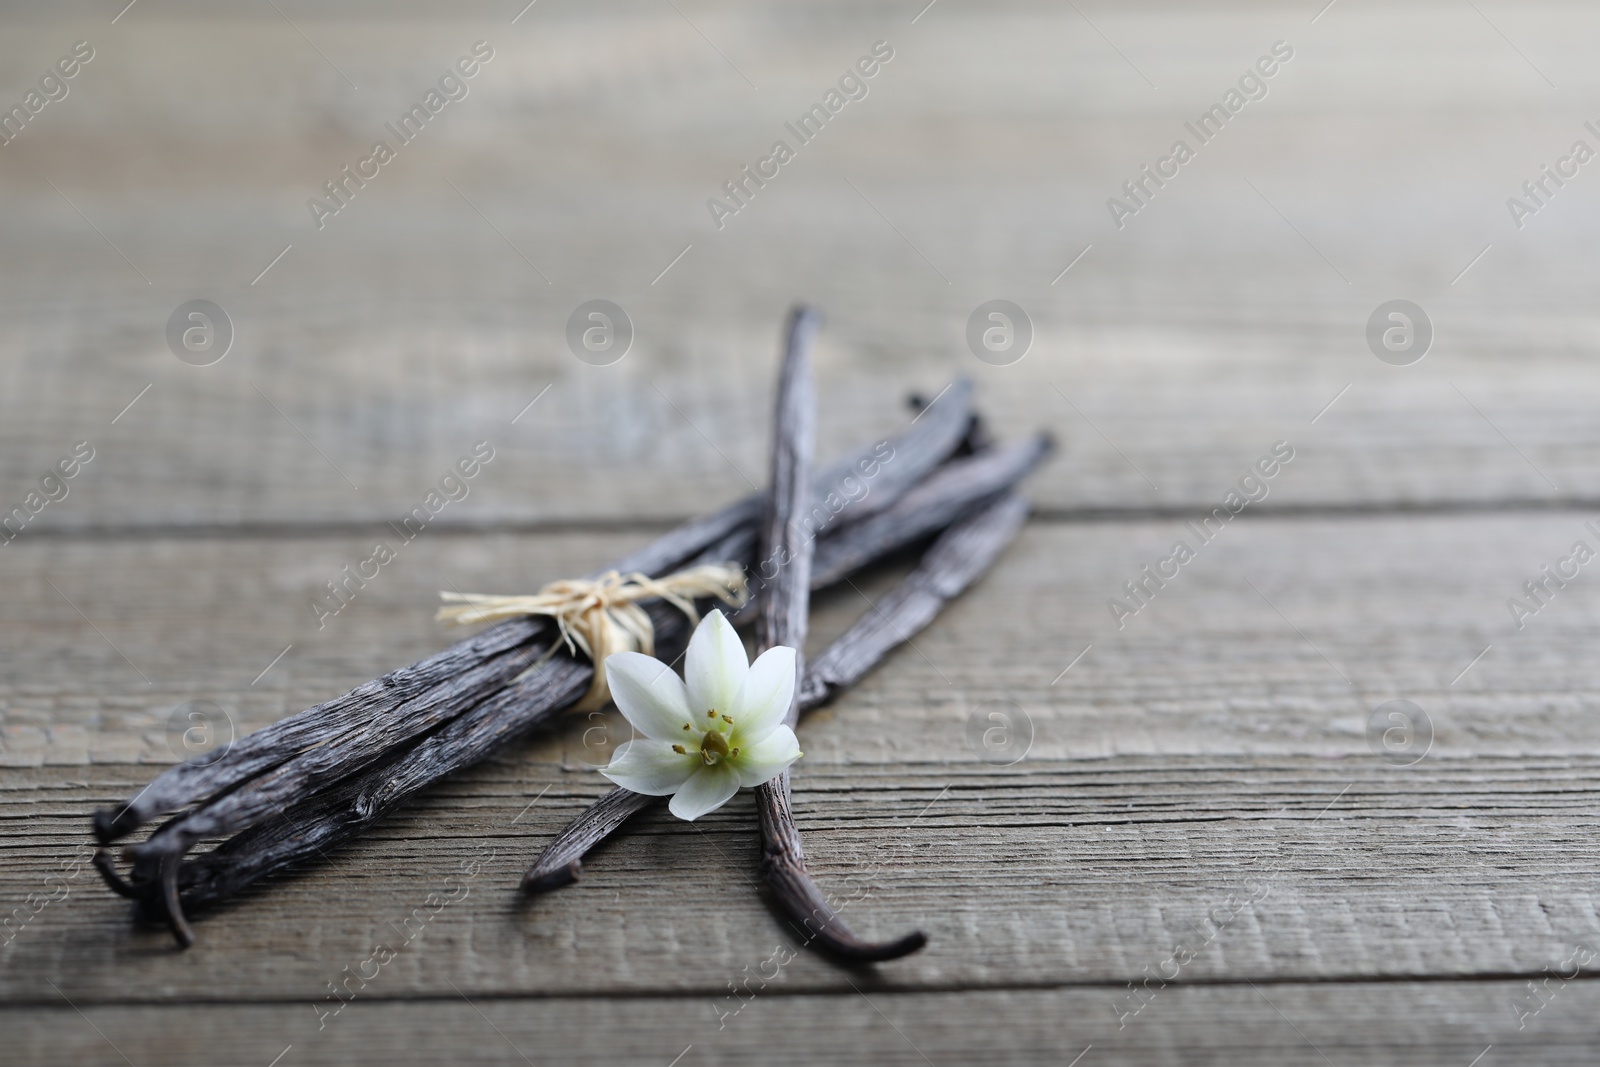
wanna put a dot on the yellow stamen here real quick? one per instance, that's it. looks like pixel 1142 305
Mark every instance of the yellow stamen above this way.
pixel 727 720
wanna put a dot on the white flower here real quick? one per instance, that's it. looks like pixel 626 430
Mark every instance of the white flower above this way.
pixel 703 740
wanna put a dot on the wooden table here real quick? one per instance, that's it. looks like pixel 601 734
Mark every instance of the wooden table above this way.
pixel 1219 847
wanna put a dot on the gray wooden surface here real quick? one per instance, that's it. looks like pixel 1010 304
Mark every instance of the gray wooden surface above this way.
pixel 1201 791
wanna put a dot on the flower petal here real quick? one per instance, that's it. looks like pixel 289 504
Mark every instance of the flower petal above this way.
pixel 766 759
pixel 649 695
pixel 650 767
pixel 707 790
pixel 764 701
pixel 715 666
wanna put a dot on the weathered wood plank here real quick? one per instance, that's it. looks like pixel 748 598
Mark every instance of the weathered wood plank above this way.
pixel 1191 339
pixel 1406 1024
pixel 1047 873
pixel 1345 614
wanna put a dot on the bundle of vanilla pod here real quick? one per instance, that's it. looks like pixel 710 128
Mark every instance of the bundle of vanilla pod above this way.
pixel 284 795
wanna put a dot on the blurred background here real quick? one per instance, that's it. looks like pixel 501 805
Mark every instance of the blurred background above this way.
pixel 371 348
pixel 977 167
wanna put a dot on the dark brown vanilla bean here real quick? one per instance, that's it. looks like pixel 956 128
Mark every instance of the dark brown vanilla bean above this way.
pixel 256 800
pixel 902 461
pixel 326 763
pixel 957 559
pixel 272 745
pixel 336 814
pixel 310 828
pixel 783 620
pixel 315 795
pixel 929 507
pixel 784 611
pixel 331 816
pixel 952 563
pixel 434 681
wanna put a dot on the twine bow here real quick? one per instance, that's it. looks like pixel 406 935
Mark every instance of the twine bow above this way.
pixel 601 616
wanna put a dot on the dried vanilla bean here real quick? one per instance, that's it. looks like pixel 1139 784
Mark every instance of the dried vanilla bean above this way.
pixel 929 507
pixel 957 559
pixel 334 815
pixel 434 683
pixel 270 746
pixel 952 563
pixel 950 424
pixel 783 619
pixel 296 766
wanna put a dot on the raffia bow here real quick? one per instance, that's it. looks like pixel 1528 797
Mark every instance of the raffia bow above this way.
pixel 601 616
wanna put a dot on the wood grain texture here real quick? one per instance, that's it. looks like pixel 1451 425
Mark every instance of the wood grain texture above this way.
pixel 1345 614
pixel 1047 873
pixel 1190 339
pixel 1406 1024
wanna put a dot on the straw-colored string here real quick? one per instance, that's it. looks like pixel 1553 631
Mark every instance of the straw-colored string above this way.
pixel 601 616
